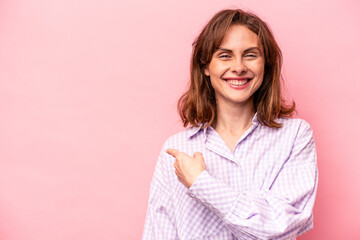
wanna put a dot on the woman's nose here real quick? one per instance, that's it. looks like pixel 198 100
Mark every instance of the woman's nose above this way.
pixel 238 67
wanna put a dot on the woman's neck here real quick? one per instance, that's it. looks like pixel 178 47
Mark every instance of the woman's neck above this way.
pixel 234 119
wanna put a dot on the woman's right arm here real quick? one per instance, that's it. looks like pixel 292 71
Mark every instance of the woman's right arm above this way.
pixel 160 220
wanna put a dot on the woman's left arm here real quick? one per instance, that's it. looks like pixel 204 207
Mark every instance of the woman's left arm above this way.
pixel 283 211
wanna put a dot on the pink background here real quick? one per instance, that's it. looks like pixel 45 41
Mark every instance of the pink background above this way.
pixel 88 93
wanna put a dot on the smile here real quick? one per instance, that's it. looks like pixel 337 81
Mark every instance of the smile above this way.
pixel 239 83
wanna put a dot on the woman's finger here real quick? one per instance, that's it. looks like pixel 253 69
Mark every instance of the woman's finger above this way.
pixel 172 152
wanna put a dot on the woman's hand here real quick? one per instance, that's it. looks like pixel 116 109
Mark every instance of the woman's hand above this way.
pixel 187 168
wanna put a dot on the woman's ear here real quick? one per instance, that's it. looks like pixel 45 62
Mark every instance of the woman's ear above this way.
pixel 206 71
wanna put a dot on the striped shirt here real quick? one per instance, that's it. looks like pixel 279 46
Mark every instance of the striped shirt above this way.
pixel 264 189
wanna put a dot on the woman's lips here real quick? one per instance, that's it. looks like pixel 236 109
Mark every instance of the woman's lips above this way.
pixel 238 83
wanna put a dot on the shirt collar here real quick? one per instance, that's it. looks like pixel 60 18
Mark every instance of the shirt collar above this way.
pixel 194 130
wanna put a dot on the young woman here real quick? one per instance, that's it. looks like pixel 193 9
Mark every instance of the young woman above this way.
pixel 244 169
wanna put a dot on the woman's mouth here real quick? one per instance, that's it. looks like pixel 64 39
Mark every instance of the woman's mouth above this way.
pixel 238 83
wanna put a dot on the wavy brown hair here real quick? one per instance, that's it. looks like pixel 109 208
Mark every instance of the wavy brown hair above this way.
pixel 198 104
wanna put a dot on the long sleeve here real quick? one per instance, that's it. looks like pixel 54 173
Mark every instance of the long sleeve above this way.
pixel 159 223
pixel 281 211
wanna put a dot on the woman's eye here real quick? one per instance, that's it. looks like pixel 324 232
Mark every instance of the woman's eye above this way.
pixel 251 55
pixel 224 56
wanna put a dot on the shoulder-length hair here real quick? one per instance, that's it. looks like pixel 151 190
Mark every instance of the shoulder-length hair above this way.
pixel 198 105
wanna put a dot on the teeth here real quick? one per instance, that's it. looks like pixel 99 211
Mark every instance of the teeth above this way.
pixel 237 82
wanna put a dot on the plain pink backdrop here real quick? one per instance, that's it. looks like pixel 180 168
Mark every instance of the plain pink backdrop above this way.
pixel 88 93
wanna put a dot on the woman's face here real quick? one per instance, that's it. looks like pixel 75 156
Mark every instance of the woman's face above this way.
pixel 236 69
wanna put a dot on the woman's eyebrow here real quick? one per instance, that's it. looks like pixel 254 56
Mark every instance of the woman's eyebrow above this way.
pixel 246 50
pixel 252 48
pixel 223 49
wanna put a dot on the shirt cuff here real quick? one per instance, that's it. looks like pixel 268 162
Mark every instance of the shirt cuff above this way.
pixel 216 196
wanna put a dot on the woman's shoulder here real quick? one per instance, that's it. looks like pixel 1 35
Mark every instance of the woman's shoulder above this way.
pixel 296 125
pixel 293 122
pixel 183 137
pixel 288 122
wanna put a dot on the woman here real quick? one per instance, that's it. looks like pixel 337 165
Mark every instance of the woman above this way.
pixel 244 169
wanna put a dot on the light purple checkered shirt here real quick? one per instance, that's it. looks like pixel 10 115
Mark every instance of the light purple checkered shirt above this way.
pixel 265 189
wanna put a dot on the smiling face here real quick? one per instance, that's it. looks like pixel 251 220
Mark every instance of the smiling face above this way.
pixel 236 69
